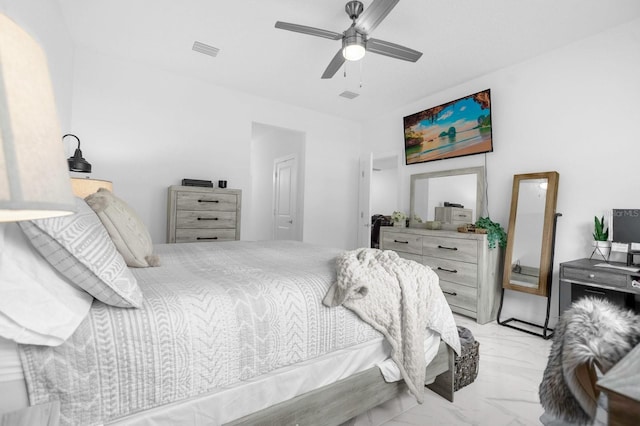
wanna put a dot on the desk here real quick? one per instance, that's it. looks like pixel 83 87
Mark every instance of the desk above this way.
pixel 581 277
pixel 623 393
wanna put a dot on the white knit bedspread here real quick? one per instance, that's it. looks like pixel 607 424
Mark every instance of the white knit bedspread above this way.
pixel 401 299
pixel 214 314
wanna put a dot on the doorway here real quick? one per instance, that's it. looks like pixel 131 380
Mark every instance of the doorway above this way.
pixel 379 192
pixel 277 203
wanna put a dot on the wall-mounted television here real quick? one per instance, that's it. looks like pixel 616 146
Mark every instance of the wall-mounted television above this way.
pixel 453 129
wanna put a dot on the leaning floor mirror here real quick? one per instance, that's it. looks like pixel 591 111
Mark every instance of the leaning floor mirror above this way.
pixel 528 263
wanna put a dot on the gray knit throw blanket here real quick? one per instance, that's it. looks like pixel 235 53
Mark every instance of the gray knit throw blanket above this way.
pixel 591 333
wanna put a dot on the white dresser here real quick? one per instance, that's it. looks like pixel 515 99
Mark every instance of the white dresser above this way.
pixel 203 214
pixel 470 273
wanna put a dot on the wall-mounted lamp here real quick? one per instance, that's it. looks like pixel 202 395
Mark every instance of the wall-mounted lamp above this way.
pixel 77 163
pixel 34 182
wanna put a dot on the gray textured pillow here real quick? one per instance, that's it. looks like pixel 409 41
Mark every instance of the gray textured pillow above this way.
pixel 126 229
pixel 79 247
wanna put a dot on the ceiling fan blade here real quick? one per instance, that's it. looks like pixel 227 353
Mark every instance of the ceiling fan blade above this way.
pixel 393 50
pixel 334 65
pixel 374 14
pixel 318 32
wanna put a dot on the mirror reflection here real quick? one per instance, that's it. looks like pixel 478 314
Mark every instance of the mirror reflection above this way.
pixel 459 187
pixel 529 244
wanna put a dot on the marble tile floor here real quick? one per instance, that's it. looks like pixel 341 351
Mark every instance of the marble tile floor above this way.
pixel 505 393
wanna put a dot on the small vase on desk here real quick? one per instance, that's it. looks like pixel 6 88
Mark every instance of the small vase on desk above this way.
pixel 400 224
pixel 602 249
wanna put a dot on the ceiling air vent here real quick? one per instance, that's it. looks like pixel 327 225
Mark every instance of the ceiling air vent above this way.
pixel 349 95
pixel 205 48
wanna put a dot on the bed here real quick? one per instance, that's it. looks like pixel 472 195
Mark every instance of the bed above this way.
pixel 211 333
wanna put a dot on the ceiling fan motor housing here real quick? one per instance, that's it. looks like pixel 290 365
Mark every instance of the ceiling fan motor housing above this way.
pixel 353 44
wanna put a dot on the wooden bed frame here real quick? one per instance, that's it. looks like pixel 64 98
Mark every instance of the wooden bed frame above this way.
pixel 339 402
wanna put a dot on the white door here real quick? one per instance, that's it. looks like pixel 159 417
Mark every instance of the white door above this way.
pixel 364 202
pixel 285 187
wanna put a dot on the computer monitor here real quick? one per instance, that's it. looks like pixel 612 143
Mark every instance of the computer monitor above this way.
pixel 625 227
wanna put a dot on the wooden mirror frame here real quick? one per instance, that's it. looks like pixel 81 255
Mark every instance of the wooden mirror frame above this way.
pixel 546 251
pixel 478 171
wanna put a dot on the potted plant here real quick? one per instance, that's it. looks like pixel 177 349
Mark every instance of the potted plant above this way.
pixel 399 219
pixel 496 234
pixel 601 238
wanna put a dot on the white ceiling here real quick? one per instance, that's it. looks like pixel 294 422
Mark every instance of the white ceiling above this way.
pixel 460 39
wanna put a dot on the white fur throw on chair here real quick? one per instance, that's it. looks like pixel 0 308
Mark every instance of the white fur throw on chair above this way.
pixel 592 332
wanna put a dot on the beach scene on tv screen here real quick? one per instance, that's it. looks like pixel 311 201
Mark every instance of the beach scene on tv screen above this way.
pixel 457 128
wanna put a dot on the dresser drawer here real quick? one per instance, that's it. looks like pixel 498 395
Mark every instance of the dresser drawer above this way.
pixel 204 235
pixel 451 248
pixel 205 219
pixel 460 296
pixel 206 201
pixel 410 256
pixel 455 215
pixel 594 277
pixel 401 242
pixel 453 270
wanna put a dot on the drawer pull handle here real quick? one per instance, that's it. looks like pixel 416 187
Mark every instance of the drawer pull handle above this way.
pixel 451 293
pixel 453 271
pixel 592 275
pixel 401 242
pixel 207 218
pixel 208 201
pixel 207 238
pixel 448 248
pixel 599 293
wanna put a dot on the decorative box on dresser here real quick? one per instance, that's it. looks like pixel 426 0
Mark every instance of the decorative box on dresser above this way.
pixel 454 215
pixel 203 214
pixel 469 272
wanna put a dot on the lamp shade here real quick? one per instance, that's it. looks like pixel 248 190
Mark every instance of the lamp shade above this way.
pixel 34 181
pixel 83 187
pixel 353 52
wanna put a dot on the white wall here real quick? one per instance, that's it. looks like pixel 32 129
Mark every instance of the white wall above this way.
pixel 574 110
pixel 145 129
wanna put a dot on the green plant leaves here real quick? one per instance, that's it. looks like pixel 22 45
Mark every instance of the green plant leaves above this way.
pixel 495 232
pixel 599 233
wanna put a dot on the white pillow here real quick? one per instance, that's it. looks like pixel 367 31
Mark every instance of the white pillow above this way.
pixel 38 306
pixel 79 247
pixel 126 229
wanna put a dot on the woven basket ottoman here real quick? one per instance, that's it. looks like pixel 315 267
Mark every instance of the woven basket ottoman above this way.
pixel 467 364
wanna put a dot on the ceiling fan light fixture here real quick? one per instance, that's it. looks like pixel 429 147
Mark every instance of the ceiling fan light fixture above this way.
pixel 356 39
pixel 353 45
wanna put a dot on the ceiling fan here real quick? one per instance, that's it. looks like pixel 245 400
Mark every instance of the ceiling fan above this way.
pixel 356 40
